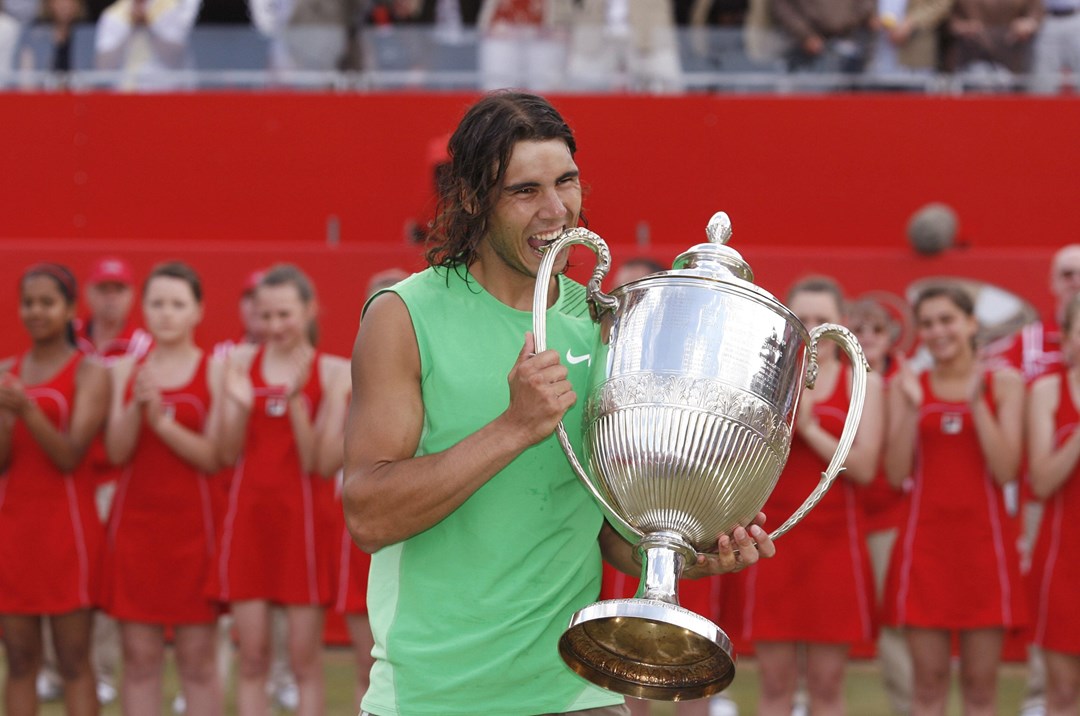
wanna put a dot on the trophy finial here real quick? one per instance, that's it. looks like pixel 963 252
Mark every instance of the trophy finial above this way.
pixel 719 228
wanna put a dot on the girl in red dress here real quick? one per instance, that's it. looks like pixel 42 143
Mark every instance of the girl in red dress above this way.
pixel 53 401
pixel 1054 468
pixel 277 537
pixel 818 592
pixel 161 538
pixel 879 330
pixel 955 431
pixel 351 564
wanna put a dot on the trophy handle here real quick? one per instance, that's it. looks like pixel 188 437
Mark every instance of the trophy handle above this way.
pixel 598 303
pixel 859 366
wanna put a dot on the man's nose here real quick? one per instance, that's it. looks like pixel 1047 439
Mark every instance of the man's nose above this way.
pixel 552 205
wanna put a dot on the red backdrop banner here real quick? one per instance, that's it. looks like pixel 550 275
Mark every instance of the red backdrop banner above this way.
pixel 236 181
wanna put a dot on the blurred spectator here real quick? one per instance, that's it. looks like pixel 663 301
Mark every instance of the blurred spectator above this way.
pixel 1052 437
pixel 438 164
pixel 634 268
pixel 1057 46
pixel 52 404
pixel 310 35
pixel 1037 347
pixel 24 11
pixel 724 33
pixel 224 12
pixel 717 13
pixel 994 37
pixel 624 44
pixel 448 16
pixel 107 332
pixel 955 433
pixel 908 35
pixel 522 44
pixel 836 593
pixel 249 317
pixel 765 41
pixel 62 15
pixel 147 40
pixel 9 39
pixel 827 35
pixel 879 333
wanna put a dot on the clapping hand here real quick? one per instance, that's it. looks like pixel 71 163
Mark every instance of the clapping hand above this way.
pixel 237 384
pixel 299 370
pixel 139 14
pixel 804 415
pixel 13 398
pixel 976 387
pixel 901 32
pixel 147 395
pixel 1022 29
pixel 907 382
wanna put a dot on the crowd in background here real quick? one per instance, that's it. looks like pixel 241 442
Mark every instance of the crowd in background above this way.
pixel 575 45
pixel 167 485
pixel 944 548
pixel 191 490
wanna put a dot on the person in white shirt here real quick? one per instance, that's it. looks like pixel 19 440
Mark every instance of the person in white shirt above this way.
pixel 147 40
pixel 9 39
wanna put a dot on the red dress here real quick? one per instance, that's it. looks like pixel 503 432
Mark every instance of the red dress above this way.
pixel 353 564
pixel 162 532
pixel 819 586
pixel 1055 566
pixel 50 534
pixel 882 504
pixel 955 563
pixel 275 544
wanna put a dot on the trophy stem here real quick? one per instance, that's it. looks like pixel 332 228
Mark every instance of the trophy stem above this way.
pixel 663 558
pixel 649 646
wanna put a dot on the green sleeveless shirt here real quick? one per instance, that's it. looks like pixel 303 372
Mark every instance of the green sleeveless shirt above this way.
pixel 467 614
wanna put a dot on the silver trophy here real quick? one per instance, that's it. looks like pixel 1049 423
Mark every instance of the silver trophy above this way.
pixel 687 424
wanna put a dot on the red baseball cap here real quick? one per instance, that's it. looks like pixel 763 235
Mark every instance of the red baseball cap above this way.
pixel 111 270
pixel 252 282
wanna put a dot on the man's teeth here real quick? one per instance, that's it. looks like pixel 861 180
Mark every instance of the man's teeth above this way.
pixel 539 241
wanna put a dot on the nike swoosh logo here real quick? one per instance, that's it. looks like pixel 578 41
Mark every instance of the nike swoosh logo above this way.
pixel 574 360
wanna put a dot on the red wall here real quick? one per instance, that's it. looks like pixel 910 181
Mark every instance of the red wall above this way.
pixel 236 181
pixel 800 171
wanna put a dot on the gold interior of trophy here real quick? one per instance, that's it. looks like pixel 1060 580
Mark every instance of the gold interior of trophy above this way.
pixel 647 659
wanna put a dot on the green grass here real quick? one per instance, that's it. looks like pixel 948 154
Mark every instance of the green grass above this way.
pixel 863 690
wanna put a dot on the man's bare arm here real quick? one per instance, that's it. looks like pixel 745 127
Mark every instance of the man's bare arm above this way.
pixel 391 495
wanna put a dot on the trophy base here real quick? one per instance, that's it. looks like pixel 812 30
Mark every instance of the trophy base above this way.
pixel 649 649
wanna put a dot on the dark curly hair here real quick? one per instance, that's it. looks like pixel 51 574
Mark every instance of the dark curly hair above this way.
pixel 479 152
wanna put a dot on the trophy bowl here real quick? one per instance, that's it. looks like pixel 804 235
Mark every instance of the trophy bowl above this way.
pixel 687 424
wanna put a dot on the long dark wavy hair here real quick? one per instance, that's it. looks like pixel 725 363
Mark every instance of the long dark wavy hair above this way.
pixel 479 152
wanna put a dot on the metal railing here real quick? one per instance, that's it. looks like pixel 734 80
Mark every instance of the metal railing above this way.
pixel 422 58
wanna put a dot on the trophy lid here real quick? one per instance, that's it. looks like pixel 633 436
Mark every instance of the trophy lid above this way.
pixel 715 259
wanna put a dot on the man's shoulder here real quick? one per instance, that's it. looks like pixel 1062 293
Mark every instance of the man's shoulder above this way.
pixel 438 285
pixel 431 278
